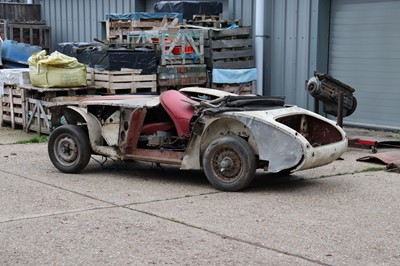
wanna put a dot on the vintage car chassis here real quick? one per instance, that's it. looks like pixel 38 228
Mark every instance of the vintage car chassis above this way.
pixel 226 135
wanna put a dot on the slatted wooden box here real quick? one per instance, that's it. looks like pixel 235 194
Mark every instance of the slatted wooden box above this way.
pixel 181 76
pixel 125 81
pixel 12 108
pixel 181 47
pixel 229 48
pixel 38 100
pixel 118 30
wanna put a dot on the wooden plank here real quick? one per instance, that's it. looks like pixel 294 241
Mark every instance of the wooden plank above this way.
pixel 144 77
pixel 17 120
pixel 1 111
pixel 232 64
pixel 116 86
pixel 16 110
pixel 148 84
pixel 23 105
pixel 242 31
pixel 7 90
pixel 12 110
pixel 40 129
pixel 8 99
pixel 224 44
pixel 232 54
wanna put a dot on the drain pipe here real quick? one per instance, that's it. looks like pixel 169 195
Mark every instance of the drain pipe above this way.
pixel 259 44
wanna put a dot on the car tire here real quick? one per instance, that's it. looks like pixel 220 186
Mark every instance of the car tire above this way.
pixel 229 163
pixel 69 149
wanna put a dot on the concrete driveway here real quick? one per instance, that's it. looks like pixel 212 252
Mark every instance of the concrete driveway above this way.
pixel 140 214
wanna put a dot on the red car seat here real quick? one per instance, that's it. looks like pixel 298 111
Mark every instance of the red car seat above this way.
pixel 152 128
pixel 180 109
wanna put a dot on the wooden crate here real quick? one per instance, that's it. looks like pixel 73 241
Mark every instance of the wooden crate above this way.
pixel 237 88
pixel 38 116
pixel 30 32
pixel 229 49
pixel 181 47
pixel 126 81
pixel 181 76
pixel 118 31
pixel 12 109
pixel 211 21
pixel 38 100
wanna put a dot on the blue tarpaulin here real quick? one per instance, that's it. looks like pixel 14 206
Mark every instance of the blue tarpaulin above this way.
pixel 142 15
pixel 234 75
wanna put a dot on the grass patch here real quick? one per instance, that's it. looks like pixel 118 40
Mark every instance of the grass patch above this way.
pixel 37 139
pixel 372 169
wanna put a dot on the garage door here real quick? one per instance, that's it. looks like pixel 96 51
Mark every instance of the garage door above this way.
pixel 364 52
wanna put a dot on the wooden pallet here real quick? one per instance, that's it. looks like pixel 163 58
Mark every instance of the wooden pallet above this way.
pixel 126 81
pixel 229 49
pixel 30 32
pixel 112 79
pixel 237 88
pixel 49 93
pixel 12 106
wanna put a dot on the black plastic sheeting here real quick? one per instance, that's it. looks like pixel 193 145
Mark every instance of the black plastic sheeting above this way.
pixel 93 55
pixel 188 9
pixel 143 15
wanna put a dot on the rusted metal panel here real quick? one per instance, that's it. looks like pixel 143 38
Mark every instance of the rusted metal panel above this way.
pixel 132 123
pixel 382 157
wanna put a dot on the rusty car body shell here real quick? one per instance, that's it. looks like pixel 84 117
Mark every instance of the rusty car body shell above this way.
pixel 283 138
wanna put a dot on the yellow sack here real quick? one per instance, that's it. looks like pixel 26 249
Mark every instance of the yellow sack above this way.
pixel 56 70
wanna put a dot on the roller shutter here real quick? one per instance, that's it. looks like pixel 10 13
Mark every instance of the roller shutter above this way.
pixel 364 52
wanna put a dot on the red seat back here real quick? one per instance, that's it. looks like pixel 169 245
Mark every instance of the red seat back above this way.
pixel 180 109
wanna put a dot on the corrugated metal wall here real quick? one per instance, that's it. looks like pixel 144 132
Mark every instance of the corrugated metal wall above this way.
pixel 243 10
pixel 79 20
pixel 290 49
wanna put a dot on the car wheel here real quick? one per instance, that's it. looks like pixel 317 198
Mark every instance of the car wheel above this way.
pixel 69 149
pixel 229 163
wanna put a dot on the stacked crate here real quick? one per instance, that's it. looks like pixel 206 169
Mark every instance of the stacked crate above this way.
pixel 230 49
pixel 125 81
pixel 181 76
pixel 123 30
pixel 181 59
pixel 212 21
pixel 38 100
pixel 181 47
pixel 12 109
